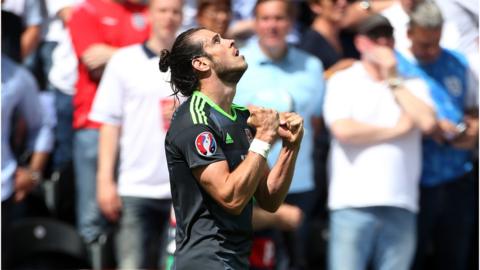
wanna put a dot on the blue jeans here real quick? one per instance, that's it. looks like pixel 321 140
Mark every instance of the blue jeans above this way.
pixel 90 221
pixel 62 153
pixel 141 234
pixel 445 224
pixel 381 236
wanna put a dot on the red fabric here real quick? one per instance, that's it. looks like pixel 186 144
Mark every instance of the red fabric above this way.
pixel 106 22
pixel 263 253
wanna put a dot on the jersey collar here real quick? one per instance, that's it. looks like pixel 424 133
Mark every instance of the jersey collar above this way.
pixel 210 102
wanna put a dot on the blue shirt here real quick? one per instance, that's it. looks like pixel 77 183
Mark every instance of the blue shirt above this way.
pixel 20 92
pixel 451 88
pixel 294 83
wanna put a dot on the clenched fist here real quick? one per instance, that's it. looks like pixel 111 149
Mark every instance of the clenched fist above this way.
pixel 265 121
pixel 291 128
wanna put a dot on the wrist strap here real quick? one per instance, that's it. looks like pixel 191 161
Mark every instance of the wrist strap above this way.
pixel 260 147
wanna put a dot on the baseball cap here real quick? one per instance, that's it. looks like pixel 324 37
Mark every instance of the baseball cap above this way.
pixel 375 26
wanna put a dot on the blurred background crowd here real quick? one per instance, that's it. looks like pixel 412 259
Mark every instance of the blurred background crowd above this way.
pixel 386 178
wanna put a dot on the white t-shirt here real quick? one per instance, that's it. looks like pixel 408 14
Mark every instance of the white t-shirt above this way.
pixel 130 95
pixel 383 174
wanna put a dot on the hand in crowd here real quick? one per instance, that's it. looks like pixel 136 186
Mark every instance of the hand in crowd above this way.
pixel 108 200
pixel 469 138
pixel 384 58
pixel 289 217
pixel 291 128
pixel 404 124
pixel 265 121
pixel 25 182
pixel 97 56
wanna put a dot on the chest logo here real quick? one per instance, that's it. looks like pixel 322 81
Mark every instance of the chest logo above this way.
pixel 228 139
pixel 206 144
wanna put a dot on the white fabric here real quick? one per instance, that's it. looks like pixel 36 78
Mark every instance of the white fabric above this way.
pixel 400 19
pixel 383 174
pixel 129 95
pixel 63 74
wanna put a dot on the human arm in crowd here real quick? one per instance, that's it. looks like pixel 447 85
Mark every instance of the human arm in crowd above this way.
pixel 357 11
pixel 350 131
pixel 90 49
pixel 40 124
pixel 286 218
pixel 33 18
pixel 422 115
pixel 233 190
pixel 107 194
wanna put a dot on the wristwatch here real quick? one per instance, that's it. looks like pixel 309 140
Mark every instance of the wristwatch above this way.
pixel 35 175
pixel 395 82
pixel 365 5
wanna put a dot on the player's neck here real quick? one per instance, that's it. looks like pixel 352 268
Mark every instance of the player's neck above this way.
pixel 218 92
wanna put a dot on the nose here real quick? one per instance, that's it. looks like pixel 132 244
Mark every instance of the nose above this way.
pixel 232 42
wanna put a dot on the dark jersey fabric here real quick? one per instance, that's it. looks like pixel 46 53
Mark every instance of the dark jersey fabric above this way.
pixel 207 237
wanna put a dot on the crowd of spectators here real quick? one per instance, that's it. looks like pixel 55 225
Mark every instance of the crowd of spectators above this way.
pixel 386 177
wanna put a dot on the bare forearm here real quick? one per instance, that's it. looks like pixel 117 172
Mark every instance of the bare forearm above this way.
pixel 356 14
pixel 422 115
pixel 107 152
pixel 349 131
pixel 272 192
pixel 30 39
pixel 38 161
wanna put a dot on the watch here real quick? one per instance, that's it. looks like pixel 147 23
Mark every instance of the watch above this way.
pixel 365 5
pixel 395 82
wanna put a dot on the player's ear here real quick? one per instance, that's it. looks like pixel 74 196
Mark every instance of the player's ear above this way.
pixel 201 63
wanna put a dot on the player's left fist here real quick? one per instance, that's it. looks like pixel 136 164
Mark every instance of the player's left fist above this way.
pixel 291 128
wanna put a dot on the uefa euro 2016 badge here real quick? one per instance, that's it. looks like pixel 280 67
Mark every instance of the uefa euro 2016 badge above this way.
pixel 139 21
pixel 206 144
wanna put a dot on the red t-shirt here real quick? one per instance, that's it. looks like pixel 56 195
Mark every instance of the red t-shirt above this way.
pixel 106 22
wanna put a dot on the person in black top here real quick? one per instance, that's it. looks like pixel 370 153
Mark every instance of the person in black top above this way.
pixel 216 153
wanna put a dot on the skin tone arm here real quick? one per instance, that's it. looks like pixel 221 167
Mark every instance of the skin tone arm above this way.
pixel 422 115
pixel 356 14
pixel 349 131
pixel 107 195
pixel 286 218
pixel 233 190
pixel 271 193
pixel 30 40
pixel 25 181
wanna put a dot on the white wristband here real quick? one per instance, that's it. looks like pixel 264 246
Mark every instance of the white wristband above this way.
pixel 260 147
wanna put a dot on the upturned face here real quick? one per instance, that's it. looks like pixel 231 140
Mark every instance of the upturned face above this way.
pixel 221 55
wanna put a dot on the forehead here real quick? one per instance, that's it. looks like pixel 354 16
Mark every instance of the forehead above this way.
pixel 166 3
pixel 273 7
pixel 203 36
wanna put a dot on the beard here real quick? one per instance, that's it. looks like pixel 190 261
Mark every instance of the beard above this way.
pixel 230 75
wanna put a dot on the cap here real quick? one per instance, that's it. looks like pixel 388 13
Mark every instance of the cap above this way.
pixel 372 24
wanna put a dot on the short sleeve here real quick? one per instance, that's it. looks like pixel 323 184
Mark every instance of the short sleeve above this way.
pixel 199 145
pixel 107 105
pixel 338 102
pixel 84 29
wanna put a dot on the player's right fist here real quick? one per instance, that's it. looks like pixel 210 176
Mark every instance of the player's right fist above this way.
pixel 265 121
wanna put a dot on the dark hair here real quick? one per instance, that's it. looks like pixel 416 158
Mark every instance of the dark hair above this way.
pixel 183 77
pixel 222 4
